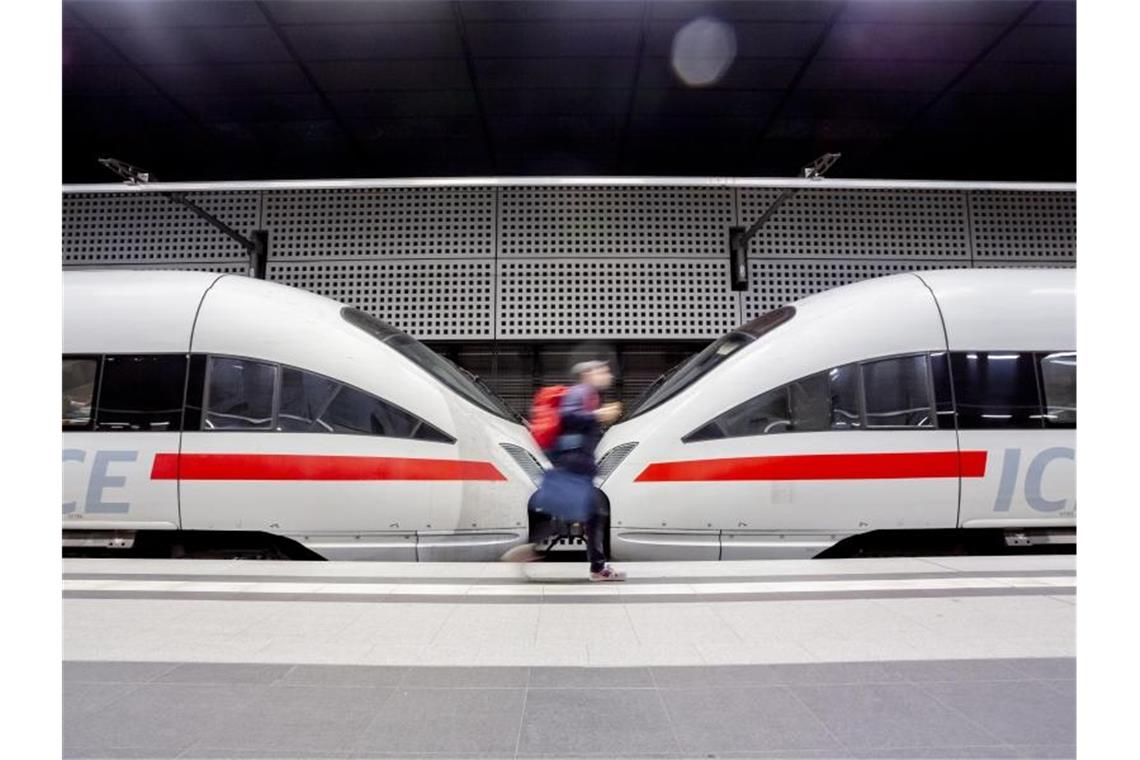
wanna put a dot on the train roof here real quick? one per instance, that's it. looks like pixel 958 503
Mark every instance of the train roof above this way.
pixel 941 281
pixel 131 311
pixel 142 311
pixel 996 309
pixel 981 309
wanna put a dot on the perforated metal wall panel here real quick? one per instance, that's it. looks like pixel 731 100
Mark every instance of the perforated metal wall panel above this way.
pixel 1020 226
pixel 1024 264
pixel 926 224
pixel 654 222
pixel 240 268
pixel 429 299
pixel 630 298
pixel 550 262
pixel 776 283
pixel 137 228
pixel 435 222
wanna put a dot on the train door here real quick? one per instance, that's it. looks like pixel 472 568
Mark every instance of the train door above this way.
pixel 284 451
pixel 121 414
pixel 1018 410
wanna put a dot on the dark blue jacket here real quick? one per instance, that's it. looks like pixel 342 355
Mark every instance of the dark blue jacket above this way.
pixel 581 431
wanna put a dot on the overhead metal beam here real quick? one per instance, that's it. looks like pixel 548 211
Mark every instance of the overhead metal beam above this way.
pixel 460 182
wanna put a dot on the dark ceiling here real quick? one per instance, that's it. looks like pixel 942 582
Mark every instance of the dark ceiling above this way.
pixel 957 89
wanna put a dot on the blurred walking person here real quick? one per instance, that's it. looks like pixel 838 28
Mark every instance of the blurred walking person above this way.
pixel 570 436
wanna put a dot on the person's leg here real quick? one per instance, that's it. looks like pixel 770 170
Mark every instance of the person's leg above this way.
pixel 596 528
pixel 541 528
pixel 596 535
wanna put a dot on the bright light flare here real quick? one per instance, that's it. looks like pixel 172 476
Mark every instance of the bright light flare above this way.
pixel 703 51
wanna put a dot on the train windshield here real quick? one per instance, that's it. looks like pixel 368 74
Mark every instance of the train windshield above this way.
pixel 456 378
pixel 688 372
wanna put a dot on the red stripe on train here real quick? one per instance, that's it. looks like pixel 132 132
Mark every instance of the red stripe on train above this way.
pixel 306 467
pixel 921 464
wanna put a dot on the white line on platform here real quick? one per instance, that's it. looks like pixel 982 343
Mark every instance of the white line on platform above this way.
pixel 538 590
pixel 457 614
pixel 473 572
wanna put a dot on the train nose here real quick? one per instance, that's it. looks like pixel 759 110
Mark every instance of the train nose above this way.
pixel 527 462
pixel 612 459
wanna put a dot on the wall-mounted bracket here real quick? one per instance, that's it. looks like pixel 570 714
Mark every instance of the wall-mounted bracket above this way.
pixel 740 237
pixel 256 246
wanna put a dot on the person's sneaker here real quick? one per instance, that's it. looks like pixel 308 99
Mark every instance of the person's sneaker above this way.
pixel 607 573
pixel 521 553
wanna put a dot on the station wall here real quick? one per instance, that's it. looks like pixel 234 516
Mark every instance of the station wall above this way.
pixel 509 281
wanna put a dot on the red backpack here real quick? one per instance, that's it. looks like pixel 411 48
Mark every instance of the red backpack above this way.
pixel 545 418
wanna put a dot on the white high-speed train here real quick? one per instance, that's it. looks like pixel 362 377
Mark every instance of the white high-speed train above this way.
pixel 207 412
pixel 923 404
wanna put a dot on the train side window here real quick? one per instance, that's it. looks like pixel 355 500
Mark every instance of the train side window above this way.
pixel 304 396
pixel 843 385
pixel 239 394
pixel 766 413
pixel 141 393
pixel 312 403
pixel 1059 384
pixel 354 411
pixel 195 389
pixel 997 389
pixel 799 406
pixel 897 393
pixel 811 403
pixel 943 395
pixel 79 376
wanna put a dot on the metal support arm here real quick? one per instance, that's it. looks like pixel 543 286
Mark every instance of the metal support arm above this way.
pixel 814 170
pixel 256 247
pixel 221 226
pixel 740 237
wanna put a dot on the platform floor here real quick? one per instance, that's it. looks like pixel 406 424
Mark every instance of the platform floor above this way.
pixel 943 657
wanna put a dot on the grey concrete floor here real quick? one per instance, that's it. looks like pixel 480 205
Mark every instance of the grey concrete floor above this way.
pixel 999 708
pixel 904 657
